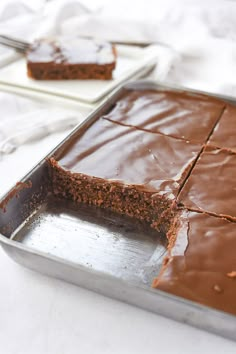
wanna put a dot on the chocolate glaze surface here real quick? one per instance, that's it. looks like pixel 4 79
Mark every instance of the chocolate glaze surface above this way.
pixel 152 155
pixel 182 115
pixel 224 134
pixel 211 186
pixel 202 263
pixel 111 151
pixel 71 51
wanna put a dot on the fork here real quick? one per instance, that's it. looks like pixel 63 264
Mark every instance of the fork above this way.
pixel 14 43
pixel 22 46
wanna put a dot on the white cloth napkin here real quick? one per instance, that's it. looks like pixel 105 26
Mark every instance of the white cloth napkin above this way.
pixel 201 35
pixel 24 121
pixel 16 18
pixel 198 45
pixel 29 20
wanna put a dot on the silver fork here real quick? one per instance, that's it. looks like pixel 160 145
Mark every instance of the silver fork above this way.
pixel 14 43
pixel 22 46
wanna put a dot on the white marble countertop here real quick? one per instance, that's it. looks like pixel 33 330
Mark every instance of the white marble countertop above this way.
pixel 39 314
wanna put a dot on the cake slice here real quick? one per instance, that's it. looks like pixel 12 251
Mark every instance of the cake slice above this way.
pixel 224 134
pixel 123 169
pixel 66 58
pixel 211 186
pixel 178 114
pixel 201 265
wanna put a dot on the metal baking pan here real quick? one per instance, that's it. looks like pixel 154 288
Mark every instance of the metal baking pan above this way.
pixel 93 248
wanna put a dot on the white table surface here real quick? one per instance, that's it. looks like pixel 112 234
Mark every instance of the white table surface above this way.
pixel 39 314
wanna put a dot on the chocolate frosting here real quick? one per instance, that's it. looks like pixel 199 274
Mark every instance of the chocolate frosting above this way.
pixel 202 263
pixel 71 51
pixel 182 115
pixel 224 134
pixel 211 186
pixel 111 151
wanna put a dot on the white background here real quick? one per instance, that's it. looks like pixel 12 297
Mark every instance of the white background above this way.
pixel 43 315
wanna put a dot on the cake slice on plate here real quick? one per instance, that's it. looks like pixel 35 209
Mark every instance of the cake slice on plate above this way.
pixel 66 58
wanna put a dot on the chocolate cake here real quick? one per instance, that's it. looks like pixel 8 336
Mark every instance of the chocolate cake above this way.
pixel 152 158
pixel 66 58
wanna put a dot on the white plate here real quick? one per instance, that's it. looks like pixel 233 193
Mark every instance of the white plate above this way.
pixel 131 61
